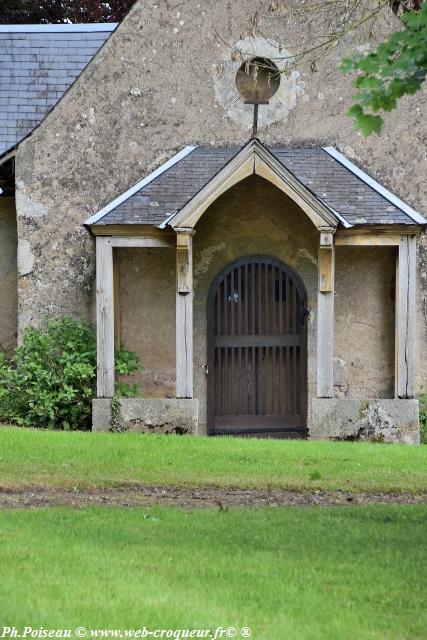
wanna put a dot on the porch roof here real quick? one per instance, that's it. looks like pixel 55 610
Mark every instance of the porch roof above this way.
pixel 351 195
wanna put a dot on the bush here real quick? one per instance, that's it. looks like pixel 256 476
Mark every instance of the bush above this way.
pixel 51 379
pixel 423 417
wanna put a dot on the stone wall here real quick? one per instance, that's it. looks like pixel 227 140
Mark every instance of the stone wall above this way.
pixel 147 295
pixel 8 275
pixel 165 80
pixel 364 322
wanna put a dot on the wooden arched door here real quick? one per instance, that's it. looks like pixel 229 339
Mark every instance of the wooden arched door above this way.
pixel 257 350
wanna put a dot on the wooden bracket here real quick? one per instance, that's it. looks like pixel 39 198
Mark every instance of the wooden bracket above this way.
pixel 326 262
pixel 183 258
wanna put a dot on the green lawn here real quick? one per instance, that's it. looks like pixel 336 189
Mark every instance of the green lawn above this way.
pixel 56 459
pixel 339 573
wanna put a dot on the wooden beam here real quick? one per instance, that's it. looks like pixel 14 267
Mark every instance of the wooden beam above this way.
pixel 184 315
pixel 325 317
pixel 379 229
pixel 131 230
pixel 105 317
pixel 117 304
pixel 371 236
pixel 141 242
pixel 405 318
pixel 365 240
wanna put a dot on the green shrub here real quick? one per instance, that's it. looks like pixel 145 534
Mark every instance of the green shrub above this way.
pixel 423 417
pixel 51 379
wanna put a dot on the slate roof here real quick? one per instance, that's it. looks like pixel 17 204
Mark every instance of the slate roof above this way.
pixel 38 63
pixel 332 183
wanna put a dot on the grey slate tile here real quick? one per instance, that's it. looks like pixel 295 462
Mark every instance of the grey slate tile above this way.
pixel 35 71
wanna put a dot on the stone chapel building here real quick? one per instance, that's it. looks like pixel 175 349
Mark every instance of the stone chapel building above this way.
pixel 273 284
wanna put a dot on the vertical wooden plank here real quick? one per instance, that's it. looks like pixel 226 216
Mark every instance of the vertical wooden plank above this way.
pixel 281 383
pixel 253 380
pixel 239 410
pixel 325 344
pixel 275 383
pixel 325 316
pixel 232 302
pixel 239 348
pixel 325 323
pixel 405 318
pixel 239 302
pixel 225 292
pixel 260 308
pixel 273 295
pixel 246 301
pixel 184 316
pixel 218 374
pixel 117 305
pixel 294 309
pixel 294 380
pixel 253 305
pixel 217 328
pixel 288 381
pixel 232 384
pixel 266 302
pixel 105 317
pixel 287 304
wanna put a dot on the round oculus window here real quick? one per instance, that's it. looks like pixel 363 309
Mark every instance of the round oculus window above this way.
pixel 257 80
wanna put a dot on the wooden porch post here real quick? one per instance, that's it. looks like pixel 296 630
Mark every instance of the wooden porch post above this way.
pixel 325 316
pixel 184 314
pixel 405 317
pixel 104 317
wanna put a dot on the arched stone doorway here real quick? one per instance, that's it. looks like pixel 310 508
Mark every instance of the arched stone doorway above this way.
pixel 257 350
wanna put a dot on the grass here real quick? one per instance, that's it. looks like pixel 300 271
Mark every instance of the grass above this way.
pixel 57 459
pixel 303 574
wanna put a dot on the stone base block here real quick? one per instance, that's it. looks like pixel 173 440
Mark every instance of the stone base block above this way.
pixel 370 420
pixel 148 415
pixel 101 414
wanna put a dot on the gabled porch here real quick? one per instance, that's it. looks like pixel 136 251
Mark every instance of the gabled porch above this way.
pixel 312 186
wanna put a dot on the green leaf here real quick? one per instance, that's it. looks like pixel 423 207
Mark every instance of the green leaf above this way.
pixel 50 380
pixel 367 123
pixel 397 68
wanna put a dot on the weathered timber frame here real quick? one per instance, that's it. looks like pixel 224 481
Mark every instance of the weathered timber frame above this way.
pixel 325 315
pixel 405 241
pixel 108 303
pixel 184 314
